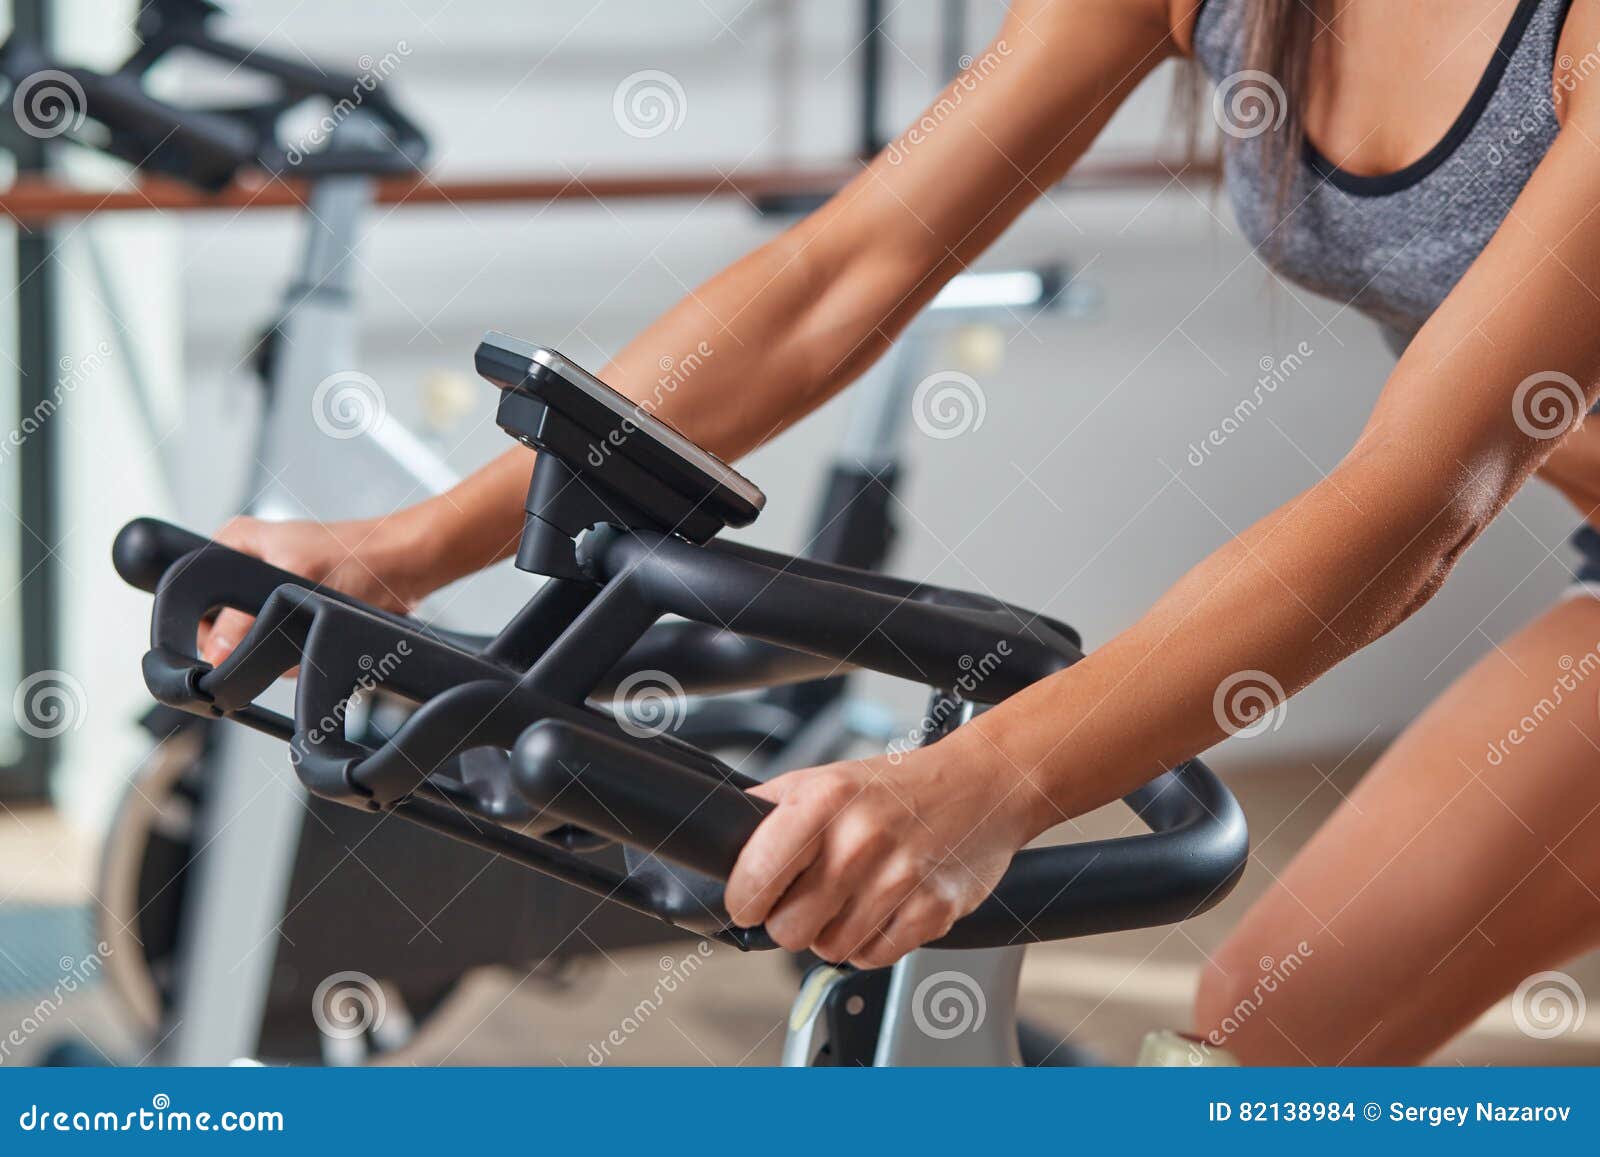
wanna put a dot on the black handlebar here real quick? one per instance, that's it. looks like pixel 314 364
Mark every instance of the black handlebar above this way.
pixel 145 550
pixel 207 146
pixel 1192 860
pixel 574 764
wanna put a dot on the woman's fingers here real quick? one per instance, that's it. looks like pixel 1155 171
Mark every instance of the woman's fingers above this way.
pixel 806 908
pixel 218 639
pixel 783 846
pixel 923 918
pixel 865 916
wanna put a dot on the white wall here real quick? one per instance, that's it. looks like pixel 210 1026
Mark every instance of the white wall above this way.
pixel 1076 495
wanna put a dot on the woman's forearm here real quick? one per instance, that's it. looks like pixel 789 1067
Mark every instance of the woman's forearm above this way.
pixel 779 332
pixel 739 359
pixel 1256 621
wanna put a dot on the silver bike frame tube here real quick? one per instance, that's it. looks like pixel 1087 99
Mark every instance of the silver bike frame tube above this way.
pixel 249 825
pixel 944 1007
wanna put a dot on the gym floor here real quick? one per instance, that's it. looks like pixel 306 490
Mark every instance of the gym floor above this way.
pixel 1104 992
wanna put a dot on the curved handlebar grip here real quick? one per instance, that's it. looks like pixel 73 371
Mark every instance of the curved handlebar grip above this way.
pixel 1192 859
pixel 634 796
pixel 1190 862
pixel 146 548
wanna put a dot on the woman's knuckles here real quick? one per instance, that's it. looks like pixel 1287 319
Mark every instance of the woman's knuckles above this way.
pixel 795 933
pixel 828 794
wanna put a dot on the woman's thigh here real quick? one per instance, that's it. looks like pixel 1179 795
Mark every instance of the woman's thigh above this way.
pixel 1466 859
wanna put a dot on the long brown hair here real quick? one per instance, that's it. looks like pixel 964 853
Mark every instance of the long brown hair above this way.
pixel 1278 36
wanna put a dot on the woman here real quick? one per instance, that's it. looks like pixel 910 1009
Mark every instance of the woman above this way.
pixel 1451 195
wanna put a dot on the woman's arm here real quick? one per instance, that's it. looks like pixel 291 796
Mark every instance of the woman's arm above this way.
pixel 782 330
pixel 1483 396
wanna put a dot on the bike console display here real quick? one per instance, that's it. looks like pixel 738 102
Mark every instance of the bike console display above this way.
pixel 603 459
pixel 644 603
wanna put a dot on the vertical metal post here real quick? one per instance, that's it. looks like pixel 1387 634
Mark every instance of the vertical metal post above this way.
pixel 38 456
pixel 952 36
pixel 872 17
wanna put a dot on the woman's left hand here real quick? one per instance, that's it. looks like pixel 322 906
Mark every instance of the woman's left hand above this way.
pixel 865 860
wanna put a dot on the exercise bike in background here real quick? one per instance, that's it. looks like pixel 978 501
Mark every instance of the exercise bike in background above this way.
pixel 625 538
pixel 224 955
pixel 226 898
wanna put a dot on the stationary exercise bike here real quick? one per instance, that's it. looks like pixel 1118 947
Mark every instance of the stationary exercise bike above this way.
pixel 226 902
pixel 177 933
pixel 622 518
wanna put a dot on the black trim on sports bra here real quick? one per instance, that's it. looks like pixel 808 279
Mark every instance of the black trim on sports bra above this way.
pixel 1384 183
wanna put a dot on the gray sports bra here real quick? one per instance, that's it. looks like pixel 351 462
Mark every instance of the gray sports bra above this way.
pixel 1392 246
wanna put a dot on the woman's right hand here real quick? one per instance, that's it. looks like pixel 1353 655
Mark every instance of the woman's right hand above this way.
pixel 371 559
